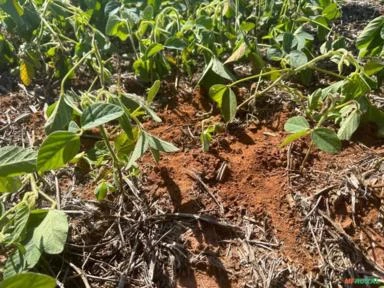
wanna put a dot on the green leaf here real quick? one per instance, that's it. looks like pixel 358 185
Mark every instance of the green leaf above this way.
pixel 155 154
pixel 160 145
pixel 57 149
pixel 355 86
pixel 247 26
pixel 148 12
pixel 153 91
pixel 101 191
pixel 229 105
pixel 331 12
pixel 117 27
pixel 289 42
pixel 60 117
pixel 16 160
pixel 124 144
pixel 22 259
pixel 175 43
pixel 15 264
pixel 274 54
pixel 32 253
pixel 98 114
pixel 19 222
pixel 140 148
pixel 370 41
pixel 9 184
pixel 296 124
pixel 302 37
pixel 219 69
pixel 314 98
pixel 72 100
pixel 73 127
pixel 30 280
pixel 153 49
pixel 225 99
pixel 133 101
pixel 124 121
pixel 205 139
pixel 349 123
pixel 51 234
pixel 293 137
pixel 297 58
pixel 326 139
pixel 372 67
pixel 215 73
pixel 216 93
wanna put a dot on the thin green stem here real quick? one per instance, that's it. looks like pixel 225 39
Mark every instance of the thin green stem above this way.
pixel 287 72
pixel 329 73
pixel 100 61
pixel 106 140
pixel 206 49
pixel 314 61
pixel 74 67
pixel 261 92
pixel 115 160
pixel 306 156
pixel 47 197
pixel 258 75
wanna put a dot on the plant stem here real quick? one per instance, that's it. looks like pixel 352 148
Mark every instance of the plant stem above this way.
pixel 306 156
pixel 329 72
pixel 287 70
pixel 258 75
pixel 47 197
pixel 314 60
pixel 36 191
pixel 77 64
pixel 261 92
pixel 114 156
pixel 101 64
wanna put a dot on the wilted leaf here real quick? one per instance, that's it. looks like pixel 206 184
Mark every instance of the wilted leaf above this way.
pixel 238 54
pixel 26 72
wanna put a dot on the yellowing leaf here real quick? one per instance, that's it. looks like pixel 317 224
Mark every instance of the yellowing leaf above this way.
pixel 238 54
pixel 26 73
